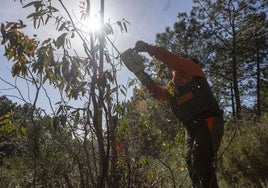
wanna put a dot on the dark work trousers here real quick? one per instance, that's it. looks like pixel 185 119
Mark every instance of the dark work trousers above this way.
pixel 203 144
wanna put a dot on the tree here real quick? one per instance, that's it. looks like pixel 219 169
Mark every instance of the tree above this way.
pixel 258 45
pixel 90 77
pixel 223 36
pixel 227 24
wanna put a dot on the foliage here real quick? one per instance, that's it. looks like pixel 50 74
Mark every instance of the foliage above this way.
pixel 153 146
pixel 12 129
pixel 90 138
pixel 85 132
pixel 235 34
pixel 37 160
pixel 244 163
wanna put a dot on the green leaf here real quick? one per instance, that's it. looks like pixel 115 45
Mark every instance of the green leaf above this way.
pixel 61 40
pixel 46 41
pixel 113 90
pixel 16 69
pixel 62 26
pixel 132 82
pixel 48 17
pixel 120 25
pixel 52 9
pixel 32 3
pixel 35 14
pixel 125 26
pixel 23 130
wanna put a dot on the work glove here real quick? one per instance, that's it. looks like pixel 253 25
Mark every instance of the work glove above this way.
pixel 142 46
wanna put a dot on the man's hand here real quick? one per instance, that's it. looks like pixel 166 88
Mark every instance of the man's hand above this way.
pixel 142 46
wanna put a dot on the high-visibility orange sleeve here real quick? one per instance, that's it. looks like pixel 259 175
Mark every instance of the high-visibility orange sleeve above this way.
pixel 184 68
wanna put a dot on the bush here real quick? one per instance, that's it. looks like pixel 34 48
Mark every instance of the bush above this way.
pixel 244 163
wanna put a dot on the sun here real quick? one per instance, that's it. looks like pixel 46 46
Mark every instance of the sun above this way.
pixel 88 17
pixel 94 24
pixel 91 24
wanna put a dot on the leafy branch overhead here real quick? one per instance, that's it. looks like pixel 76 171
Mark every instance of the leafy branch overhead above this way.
pixel 19 47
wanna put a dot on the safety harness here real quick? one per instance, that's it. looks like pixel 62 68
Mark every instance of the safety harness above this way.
pixel 194 100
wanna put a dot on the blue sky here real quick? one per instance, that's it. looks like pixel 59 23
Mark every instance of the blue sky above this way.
pixel 147 18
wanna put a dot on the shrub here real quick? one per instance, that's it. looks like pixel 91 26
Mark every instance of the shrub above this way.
pixel 244 163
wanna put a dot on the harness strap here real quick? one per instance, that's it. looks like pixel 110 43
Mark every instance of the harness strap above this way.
pixel 186 97
pixel 210 122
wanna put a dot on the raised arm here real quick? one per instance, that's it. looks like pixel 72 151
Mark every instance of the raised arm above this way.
pixel 185 69
pixel 135 64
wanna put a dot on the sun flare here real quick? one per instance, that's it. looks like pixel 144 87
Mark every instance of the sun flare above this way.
pixel 91 24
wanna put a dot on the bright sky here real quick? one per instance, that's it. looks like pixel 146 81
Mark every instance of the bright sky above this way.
pixel 147 18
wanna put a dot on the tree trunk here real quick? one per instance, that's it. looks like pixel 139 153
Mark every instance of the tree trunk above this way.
pixel 234 73
pixel 236 88
pixel 258 85
pixel 103 158
pixel 115 150
pixel 233 101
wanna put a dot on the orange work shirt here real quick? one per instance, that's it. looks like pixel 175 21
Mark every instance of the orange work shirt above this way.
pixel 183 69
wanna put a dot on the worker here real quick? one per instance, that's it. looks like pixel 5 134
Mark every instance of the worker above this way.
pixel 193 103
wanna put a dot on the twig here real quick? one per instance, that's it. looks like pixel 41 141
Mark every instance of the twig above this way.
pixel 170 170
